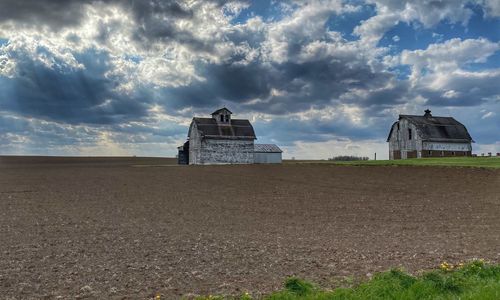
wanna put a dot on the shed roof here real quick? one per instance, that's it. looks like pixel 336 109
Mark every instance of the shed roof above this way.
pixel 236 129
pixel 438 129
pixel 267 148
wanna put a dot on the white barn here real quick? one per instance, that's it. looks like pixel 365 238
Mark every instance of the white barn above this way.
pixel 220 140
pixel 224 140
pixel 428 136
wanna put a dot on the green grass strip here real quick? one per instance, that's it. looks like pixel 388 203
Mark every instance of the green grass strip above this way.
pixel 482 162
pixel 474 280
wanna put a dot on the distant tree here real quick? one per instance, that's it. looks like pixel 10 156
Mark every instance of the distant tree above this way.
pixel 348 158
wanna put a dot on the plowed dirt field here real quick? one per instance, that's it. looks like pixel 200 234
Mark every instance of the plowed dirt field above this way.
pixel 114 228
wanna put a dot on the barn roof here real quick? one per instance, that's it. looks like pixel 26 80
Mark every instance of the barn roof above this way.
pixel 267 148
pixel 237 129
pixel 438 129
pixel 222 110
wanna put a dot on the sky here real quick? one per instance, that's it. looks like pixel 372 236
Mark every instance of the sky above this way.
pixel 317 78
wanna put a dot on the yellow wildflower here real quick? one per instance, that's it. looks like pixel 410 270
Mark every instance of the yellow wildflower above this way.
pixel 446 266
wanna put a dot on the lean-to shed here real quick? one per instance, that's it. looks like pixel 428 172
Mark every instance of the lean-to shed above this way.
pixel 267 154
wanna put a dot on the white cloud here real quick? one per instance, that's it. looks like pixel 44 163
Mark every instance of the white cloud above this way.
pixel 42 51
pixel 427 12
pixel 492 7
pixel 488 115
pixel 451 94
pixel 447 57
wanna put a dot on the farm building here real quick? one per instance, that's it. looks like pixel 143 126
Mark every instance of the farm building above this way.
pixel 267 154
pixel 223 140
pixel 428 136
pixel 219 140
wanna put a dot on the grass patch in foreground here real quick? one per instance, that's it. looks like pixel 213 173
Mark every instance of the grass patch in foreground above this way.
pixel 474 280
pixel 485 162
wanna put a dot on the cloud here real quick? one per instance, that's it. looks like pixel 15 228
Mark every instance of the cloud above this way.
pixel 440 75
pixel 452 54
pixel 132 73
pixel 428 13
pixel 488 115
pixel 336 147
pixel 72 89
pixel 33 136
pixel 53 13
pixel 492 8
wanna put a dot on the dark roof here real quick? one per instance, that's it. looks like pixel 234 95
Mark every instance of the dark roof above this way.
pixel 438 129
pixel 267 148
pixel 237 129
pixel 221 110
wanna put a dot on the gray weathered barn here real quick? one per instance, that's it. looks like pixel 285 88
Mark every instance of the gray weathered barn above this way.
pixel 267 154
pixel 428 136
pixel 221 140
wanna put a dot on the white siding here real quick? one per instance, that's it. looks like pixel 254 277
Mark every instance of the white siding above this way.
pixel 267 158
pixel 447 146
pixel 399 139
pixel 225 151
pixel 194 145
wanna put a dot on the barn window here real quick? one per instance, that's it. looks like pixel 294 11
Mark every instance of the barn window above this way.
pixel 222 118
pixel 227 118
pixel 409 134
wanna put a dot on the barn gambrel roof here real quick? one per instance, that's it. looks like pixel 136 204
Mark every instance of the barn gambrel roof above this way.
pixel 236 129
pixel 437 129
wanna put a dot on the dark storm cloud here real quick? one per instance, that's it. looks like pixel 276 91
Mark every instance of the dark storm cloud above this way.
pixel 67 94
pixel 304 85
pixel 314 82
pixel 54 13
pixel 152 16
pixel 60 13
pixel 225 82
pixel 155 19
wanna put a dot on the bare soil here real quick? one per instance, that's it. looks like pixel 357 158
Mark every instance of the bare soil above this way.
pixel 129 228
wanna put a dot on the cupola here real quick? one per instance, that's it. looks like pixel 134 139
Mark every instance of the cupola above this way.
pixel 222 116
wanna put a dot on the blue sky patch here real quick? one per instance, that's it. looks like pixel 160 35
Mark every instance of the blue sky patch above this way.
pixel 346 23
pixel 268 10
